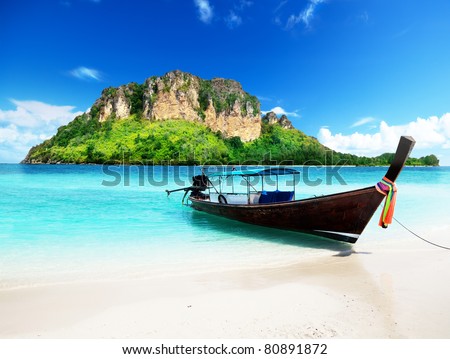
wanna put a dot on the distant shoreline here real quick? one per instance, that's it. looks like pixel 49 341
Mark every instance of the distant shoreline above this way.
pixel 227 165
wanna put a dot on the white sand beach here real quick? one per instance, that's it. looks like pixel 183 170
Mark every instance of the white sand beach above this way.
pixel 376 291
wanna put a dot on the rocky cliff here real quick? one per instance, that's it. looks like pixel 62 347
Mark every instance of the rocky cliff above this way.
pixel 220 104
pixel 271 118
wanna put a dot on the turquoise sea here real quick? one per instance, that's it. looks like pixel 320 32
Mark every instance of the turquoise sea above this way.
pixel 66 223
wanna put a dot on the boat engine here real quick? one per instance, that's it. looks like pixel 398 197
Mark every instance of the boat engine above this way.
pixel 199 184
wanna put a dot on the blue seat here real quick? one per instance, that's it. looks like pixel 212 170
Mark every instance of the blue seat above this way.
pixel 284 196
pixel 266 197
pixel 276 196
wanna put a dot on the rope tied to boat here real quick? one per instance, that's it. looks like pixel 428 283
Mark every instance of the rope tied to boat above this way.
pixel 388 189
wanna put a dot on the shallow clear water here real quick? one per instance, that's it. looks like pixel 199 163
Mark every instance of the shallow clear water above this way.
pixel 69 223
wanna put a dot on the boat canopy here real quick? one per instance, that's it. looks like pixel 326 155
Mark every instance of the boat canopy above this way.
pixel 272 171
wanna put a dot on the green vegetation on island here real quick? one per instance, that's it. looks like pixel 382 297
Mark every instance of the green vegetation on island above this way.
pixel 134 140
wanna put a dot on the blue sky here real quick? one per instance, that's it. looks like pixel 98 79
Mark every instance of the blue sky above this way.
pixel 355 74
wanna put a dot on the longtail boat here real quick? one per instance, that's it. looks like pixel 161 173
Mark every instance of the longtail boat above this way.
pixel 341 216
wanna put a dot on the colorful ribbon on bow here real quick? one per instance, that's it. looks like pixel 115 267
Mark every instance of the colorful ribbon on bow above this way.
pixel 387 188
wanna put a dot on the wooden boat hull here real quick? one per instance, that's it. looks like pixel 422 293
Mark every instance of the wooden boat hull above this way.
pixel 341 216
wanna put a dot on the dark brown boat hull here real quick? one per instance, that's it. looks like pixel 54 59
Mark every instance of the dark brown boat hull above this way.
pixel 341 216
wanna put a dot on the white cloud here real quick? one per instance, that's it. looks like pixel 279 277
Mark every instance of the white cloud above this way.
pixel 205 10
pixel 8 133
pixel 280 5
pixel 233 20
pixel 401 33
pixel 35 114
pixel 431 133
pixel 363 17
pixel 243 4
pixel 304 16
pixel 84 73
pixel 28 124
pixel 69 3
pixel 235 11
pixel 280 111
pixel 363 121
pixel 264 98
